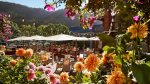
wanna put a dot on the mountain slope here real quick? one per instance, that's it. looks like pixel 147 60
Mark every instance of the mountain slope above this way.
pixel 35 15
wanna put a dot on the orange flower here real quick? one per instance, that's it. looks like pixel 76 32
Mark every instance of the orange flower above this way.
pixel 28 53
pixel 13 62
pixel 138 30
pixel 64 78
pixel 20 52
pixel 116 77
pixel 80 59
pixel 79 66
pixel 44 58
pixel 104 58
pixel 91 62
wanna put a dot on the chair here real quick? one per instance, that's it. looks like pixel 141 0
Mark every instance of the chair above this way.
pixel 66 65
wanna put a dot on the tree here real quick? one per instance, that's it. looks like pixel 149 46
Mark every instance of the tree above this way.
pixel 44 30
pixel 123 10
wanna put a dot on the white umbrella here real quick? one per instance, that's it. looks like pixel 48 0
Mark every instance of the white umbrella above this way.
pixel 81 38
pixel 37 37
pixel 60 37
pixel 94 39
pixel 20 38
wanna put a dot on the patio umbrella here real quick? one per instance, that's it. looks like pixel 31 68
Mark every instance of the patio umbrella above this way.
pixel 94 39
pixel 22 38
pixel 37 37
pixel 60 37
pixel 81 38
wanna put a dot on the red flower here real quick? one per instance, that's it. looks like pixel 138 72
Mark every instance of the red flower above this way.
pixel 30 75
pixel 91 21
pixel 48 71
pixel 49 7
pixel 32 66
pixel 71 13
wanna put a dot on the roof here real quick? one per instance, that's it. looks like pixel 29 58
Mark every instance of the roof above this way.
pixel 96 28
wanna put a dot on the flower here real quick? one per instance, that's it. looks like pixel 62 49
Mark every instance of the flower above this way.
pixel 70 13
pixel 44 58
pixel 80 59
pixel 49 7
pixel 49 66
pixel 136 18
pixel 138 30
pixel 64 78
pixel 48 71
pixel 40 68
pixel 53 78
pixel 32 66
pixel 79 66
pixel 104 58
pixel 87 22
pixel 20 52
pixel 116 77
pixel 91 21
pixel 28 53
pixel 84 23
pixel 31 75
pixel 91 62
pixel 13 62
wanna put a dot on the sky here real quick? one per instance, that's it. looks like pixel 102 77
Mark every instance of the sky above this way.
pixel 31 3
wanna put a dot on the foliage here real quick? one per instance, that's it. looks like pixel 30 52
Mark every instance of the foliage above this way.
pixel 107 40
pixel 44 30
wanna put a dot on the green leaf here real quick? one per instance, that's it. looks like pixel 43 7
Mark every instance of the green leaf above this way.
pixel 106 48
pixel 117 60
pixel 141 73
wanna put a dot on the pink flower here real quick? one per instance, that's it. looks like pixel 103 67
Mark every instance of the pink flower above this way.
pixel 49 66
pixel 49 7
pixel 136 18
pixel 48 72
pixel 91 21
pixel 71 13
pixel 83 22
pixel 6 38
pixel 53 79
pixel 57 81
pixel 41 68
pixel 32 66
pixel 31 75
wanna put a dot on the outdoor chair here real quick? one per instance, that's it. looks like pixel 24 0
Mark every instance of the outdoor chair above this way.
pixel 66 65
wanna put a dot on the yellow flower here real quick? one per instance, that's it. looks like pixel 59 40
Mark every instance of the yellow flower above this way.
pixel 128 57
pixel 28 53
pixel 64 78
pixel 79 66
pixel 116 77
pixel 91 62
pixel 20 52
pixel 44 58
pixel 138 30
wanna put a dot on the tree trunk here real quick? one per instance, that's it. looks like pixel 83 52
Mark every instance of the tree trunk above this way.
pixel 107 20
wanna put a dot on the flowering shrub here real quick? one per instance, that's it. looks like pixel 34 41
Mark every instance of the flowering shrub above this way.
pixel 26 69
pixel 121 63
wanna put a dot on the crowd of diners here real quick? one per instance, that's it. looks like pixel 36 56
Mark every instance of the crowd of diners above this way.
pixel 59 50
pixel 65 49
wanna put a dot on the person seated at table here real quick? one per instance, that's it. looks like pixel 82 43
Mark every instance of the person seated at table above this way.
pixel 59 49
